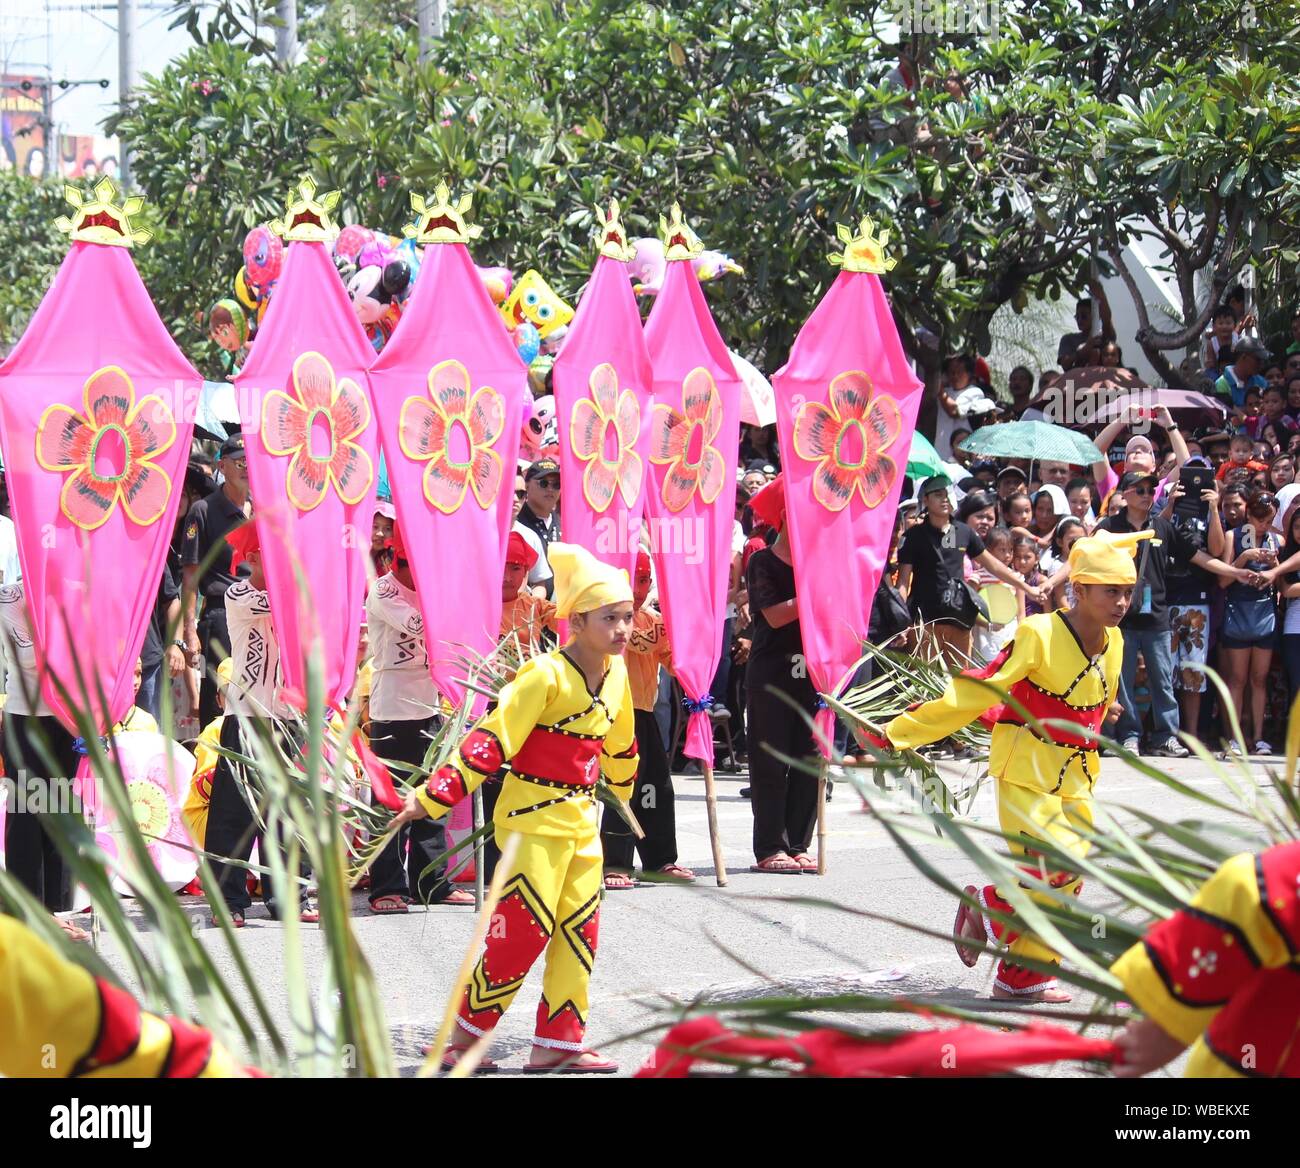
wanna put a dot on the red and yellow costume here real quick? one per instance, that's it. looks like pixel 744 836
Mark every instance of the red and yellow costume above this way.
pixel 554 738
pixel 1044 778
pixel 58 1021
pixel 1224 972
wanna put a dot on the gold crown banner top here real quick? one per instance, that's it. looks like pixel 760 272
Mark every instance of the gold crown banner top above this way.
pixel 306 218
pixel 441 221
pixel 680 242
pixel 613 238
pixel 864 252
pixel 99 219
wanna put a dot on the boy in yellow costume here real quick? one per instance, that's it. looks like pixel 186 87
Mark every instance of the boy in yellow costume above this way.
pixel 1063 666
pixel 59 1021
pixel 1223 973
pixel 565 718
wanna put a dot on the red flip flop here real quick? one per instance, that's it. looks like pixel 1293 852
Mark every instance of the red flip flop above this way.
pixel 570 1066
pixel 967 915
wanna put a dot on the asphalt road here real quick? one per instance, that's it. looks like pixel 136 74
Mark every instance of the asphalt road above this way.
pixel 660 944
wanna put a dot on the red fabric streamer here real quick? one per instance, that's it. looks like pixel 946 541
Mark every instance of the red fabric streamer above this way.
pixel 965 1051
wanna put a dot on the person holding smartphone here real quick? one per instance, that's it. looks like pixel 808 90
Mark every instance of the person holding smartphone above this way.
pixel 1250 615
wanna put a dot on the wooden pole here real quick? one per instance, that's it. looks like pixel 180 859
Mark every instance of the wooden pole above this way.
pixel 479 849
pixel 821 819
pixel 711 803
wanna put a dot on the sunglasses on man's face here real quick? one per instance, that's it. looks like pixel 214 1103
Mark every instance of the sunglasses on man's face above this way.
pixel 1142 491
pixel 549 484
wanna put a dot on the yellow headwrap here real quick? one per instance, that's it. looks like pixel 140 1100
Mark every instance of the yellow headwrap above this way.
pixel 582 582
pixel 226 670
pixel 1106 557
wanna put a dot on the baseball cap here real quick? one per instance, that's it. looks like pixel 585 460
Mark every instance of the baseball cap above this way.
pixel 934 484
pixel 1133 477
pixel 232 447
pixel 543 466
pixel 1013 471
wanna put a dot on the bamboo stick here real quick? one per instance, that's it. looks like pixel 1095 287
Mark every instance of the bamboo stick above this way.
pixel 821 818
pixel 711 804
pixel 480 848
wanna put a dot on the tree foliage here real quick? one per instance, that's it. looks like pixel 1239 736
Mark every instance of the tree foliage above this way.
pixel 1002 166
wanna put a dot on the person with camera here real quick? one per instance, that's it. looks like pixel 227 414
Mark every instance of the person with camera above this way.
pixel 1146 625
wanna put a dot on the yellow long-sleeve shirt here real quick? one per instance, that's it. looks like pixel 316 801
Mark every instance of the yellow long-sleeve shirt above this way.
pixel 206 753
pixel 553 737
pixel 1225 973
pixel 1046 670
pixel 57 1021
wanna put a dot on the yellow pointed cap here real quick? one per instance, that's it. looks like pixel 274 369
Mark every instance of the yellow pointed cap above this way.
pixel 583 583
pixel 1106 557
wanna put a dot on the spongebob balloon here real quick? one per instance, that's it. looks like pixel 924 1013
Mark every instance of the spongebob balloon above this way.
pixel 534 302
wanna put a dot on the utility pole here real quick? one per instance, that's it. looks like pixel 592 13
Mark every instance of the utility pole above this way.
pixel 125 74
pixel 286 35
pixel 429 21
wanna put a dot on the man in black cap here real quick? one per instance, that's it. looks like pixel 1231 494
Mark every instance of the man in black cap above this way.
pixel 539 513
pixel 205 527
pixel 1146 626
pixel 1010 480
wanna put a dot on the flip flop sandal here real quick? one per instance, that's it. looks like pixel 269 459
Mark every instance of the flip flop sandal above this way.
pixel 571 1067
pixel 619 882
pixel 965 916
pixel 386 906
pixel 457 896
pixel 485 1065
pixel 677 871
pixel 779 865
pixel 806 862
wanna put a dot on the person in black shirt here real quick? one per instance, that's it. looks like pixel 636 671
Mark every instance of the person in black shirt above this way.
pixel 163 625
pixel 931 573
pixel 206 526
pixel 538 512
pixel 1146 627
pixel 783 797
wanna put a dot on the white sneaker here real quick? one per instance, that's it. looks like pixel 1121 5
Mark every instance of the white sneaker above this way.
pixel 1262 747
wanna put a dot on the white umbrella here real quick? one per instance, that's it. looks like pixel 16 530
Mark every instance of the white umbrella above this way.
pixel 758 401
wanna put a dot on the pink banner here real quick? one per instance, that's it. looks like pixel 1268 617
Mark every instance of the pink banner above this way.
pixel 312 448
pixel 846 408
pixel 691 497
pixel 449 392
pixel 603 385
pixel 96 415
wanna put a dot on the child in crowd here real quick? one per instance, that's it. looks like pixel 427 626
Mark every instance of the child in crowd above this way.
pixel 995 632
pixel 1241 450
pixel 1025 557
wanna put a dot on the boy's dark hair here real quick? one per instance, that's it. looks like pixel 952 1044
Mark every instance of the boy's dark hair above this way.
pixel 1223 310
pixel 1277 389
pixel 1074 484
pixel 965 358
pixel 1232 489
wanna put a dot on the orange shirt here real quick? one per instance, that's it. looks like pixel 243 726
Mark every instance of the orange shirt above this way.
pixel 647 650
pixel 526 616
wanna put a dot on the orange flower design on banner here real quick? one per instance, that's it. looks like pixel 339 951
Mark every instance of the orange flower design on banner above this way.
pixel 108 451
pixel 683 441
pixel 848 440
pixel 454 431
pixel 289 426
pixel 604 422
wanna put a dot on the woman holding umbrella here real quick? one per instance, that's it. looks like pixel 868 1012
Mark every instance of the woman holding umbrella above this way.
pixel 931 573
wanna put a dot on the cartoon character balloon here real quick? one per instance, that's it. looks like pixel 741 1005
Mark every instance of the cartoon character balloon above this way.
pixel 540 432
pixel 498 282
pixel 263 259
pixel 375 290
pixel 228 329
pixel 647 266
pixel 533 301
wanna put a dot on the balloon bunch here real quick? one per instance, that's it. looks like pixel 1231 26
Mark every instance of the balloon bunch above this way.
pixel 648 265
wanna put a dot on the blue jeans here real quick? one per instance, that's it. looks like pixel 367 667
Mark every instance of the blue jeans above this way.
pixel 720 679
pixel 149 696
pixel 1156 650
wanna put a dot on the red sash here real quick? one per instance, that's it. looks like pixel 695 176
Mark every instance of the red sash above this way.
pixel 1046 707
pixel 559 758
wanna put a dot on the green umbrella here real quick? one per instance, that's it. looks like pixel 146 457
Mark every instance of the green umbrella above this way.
pixel 1036 440
pixel 923 459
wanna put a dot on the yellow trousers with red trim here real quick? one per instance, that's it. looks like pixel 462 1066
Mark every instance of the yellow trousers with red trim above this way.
pixel 551 901
pixel 1025 815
